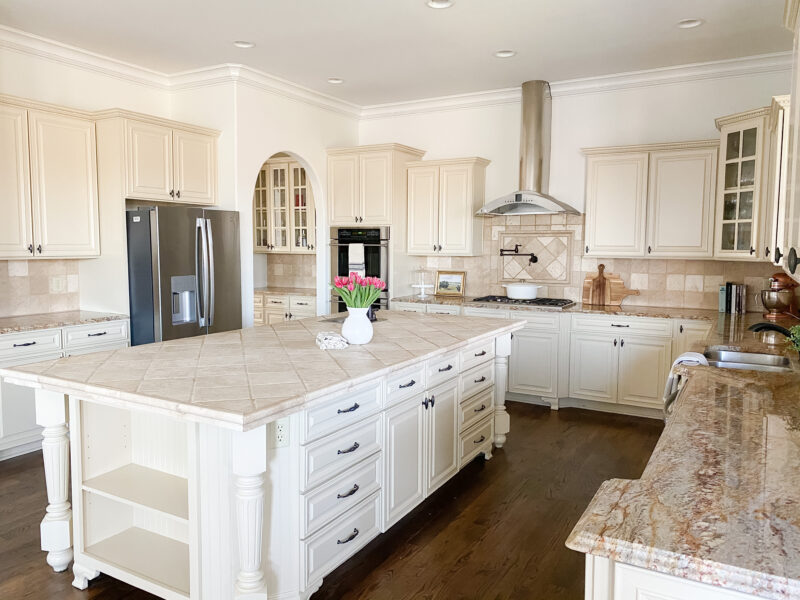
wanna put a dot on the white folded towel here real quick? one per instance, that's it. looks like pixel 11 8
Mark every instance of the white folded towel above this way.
pixel 355 259
pixel 328 340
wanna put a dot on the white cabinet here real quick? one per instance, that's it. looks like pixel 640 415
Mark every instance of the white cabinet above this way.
pixel 741 186
pixel 635 583
pixel 616 204
pixel 534 361
pixel 775 204
pixel 405 454
pixel 169 164
pixel 366 184
pixel 284 215
pixel 593 366
pixel 443 197
pixel 16 226
pixel 442 434
pixel 642 371
pixel 652 200
pixel 687 334
pixel 680 218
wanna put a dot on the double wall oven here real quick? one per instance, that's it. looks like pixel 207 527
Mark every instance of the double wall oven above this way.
pixel 364 250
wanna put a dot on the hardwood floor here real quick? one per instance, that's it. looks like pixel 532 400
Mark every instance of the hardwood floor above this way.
pixel 495 531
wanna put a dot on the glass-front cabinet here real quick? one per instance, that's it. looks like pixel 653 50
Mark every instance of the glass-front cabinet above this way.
pixel 284 217
pixel 741 186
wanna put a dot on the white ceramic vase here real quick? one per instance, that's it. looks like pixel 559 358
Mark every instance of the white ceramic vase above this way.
pixel 357 328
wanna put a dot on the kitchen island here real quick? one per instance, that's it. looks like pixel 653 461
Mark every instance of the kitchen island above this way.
pixel 248 463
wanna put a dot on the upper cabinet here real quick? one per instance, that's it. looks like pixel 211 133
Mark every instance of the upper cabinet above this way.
pixel 654 200
pixel 367 184
pixel 443 197
pixel 742 187
pixel 284 213
pixel 169 164
pixel 791 233
pixel 48 179
pixel 775 207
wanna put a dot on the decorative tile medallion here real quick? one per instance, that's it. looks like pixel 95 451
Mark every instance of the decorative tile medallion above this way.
pixel 552 248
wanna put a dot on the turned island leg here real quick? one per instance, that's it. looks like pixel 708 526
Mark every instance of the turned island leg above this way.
pixel 249 468
pixel 56 527
pixel 502 422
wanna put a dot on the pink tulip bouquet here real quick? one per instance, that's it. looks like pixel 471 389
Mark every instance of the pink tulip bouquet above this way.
pixel 357 291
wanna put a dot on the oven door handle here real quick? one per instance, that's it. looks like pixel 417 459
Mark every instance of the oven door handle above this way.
pixel 381 245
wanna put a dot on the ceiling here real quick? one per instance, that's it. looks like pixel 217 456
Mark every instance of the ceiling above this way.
pixel 397 50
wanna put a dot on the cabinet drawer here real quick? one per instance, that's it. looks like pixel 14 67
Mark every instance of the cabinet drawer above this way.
pixel 539 321
pixel 26 343
pixel 95 333
pixel 329 548
pixel 442 368
pixel 475 409
pixel 408 307
pixel 276 302
pixel 304 304
pixel 493 313
pixel 405 384
pixel 443 309
pixel 477 379
pixel 637 325
pixel 331 455
pixel 258 300
pixel 477 354
pixel 340 411
pixel 476 440
pixel 334 498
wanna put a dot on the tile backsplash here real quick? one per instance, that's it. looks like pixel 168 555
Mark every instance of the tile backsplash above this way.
pixel 38 286
pixel 292 270
pixel 557 240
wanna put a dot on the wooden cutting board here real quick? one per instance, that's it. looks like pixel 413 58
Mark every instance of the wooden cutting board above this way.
pixel 605 289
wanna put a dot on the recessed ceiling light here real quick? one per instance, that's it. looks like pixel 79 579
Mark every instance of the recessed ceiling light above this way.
pixel 440 3
pixel 335 80
pixel 690 23
pixel 243 44
pixel 505 53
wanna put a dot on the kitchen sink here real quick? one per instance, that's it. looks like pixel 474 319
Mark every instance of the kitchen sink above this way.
pixel 749 361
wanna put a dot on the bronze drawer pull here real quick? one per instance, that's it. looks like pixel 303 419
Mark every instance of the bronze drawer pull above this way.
pixel 447 368
pixel 355 406
pixel 349 493
pixel 96 334
pixel 483 438
pixel 615 325
pixel 24 344
pixel 349 538
pixel 407 385
pixel 481 380
pixel 481 409
pixel 352 448
pixel 481 353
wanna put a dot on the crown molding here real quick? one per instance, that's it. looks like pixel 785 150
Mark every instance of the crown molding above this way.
pixel 691 145
pixel 720 122
pixel 439 162
pixel 457 101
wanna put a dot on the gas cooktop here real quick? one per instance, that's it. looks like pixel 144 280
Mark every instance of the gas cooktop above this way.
pixel 548 302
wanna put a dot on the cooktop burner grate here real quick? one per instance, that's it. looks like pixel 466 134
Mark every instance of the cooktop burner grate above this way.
pixel 552 302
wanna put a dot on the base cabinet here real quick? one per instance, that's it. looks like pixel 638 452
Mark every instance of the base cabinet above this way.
pixel 442 431
pixel 643 364
pixel 593 367
pixel 533 364
pixel 405 459
pixel 687 335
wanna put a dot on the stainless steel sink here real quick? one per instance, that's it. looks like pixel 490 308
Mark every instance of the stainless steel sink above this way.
pixel 749 361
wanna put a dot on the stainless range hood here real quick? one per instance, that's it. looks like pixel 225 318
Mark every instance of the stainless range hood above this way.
pixel 534 161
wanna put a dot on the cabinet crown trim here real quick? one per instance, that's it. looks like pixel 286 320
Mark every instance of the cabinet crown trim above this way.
pixel 742 116
pixel 376 148
pixel 475 160
pixel 651 147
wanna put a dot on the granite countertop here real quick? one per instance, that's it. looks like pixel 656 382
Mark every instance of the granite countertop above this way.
pixel 244 378
pixel 55 320
pixel 285 291
pixel 620 311
pixel 719 500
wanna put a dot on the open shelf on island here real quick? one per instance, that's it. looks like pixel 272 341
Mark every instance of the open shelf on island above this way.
pixel 154 558
pixel 141 486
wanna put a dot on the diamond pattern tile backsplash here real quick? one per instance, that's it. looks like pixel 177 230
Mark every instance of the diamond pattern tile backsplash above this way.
pixel 553 249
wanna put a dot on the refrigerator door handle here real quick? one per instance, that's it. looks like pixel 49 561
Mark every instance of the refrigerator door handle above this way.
pixel 201 273
pixel 210 267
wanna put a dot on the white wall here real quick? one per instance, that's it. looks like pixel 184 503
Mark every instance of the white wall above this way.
pixel 656 113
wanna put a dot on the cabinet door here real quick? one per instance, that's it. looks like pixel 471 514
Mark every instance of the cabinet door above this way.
pixel 775 202
pixel 423 210
pixel 16 227
pixel 149 161
pixel 455 209
pixel 63 186
pixel 261 208
pixel 635 583
pixel 616 198
pixel 681 202
pixel 593 367
pixel 687 335
pixel 343 198
pixel 375 189
pixel 195 167
pixel 739 222
pixel 442 434
pixel 302 217
pixel 272 317
pixel 533 364
pixel 643 364
pixel 405 459
pixel 279 207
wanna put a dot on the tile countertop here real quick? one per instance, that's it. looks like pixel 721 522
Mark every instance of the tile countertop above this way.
pixel 719 500
pixel 620 311
pixel 244 378
pixel 285 291
pixel 55 320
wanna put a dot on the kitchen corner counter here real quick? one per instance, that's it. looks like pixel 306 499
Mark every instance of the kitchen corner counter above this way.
pixel 285 291
pixel 245 378
pixel 719 500
pixel 55 320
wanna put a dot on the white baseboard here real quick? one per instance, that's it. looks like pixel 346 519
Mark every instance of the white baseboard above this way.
pixel 32 446
pixel 607 407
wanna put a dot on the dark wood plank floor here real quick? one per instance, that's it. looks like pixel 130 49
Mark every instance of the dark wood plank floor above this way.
pixel 495 531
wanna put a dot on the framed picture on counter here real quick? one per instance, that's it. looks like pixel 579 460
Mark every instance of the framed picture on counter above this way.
pixel 450 283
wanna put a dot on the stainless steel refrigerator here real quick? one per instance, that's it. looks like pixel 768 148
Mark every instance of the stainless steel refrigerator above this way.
pixel 183 271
